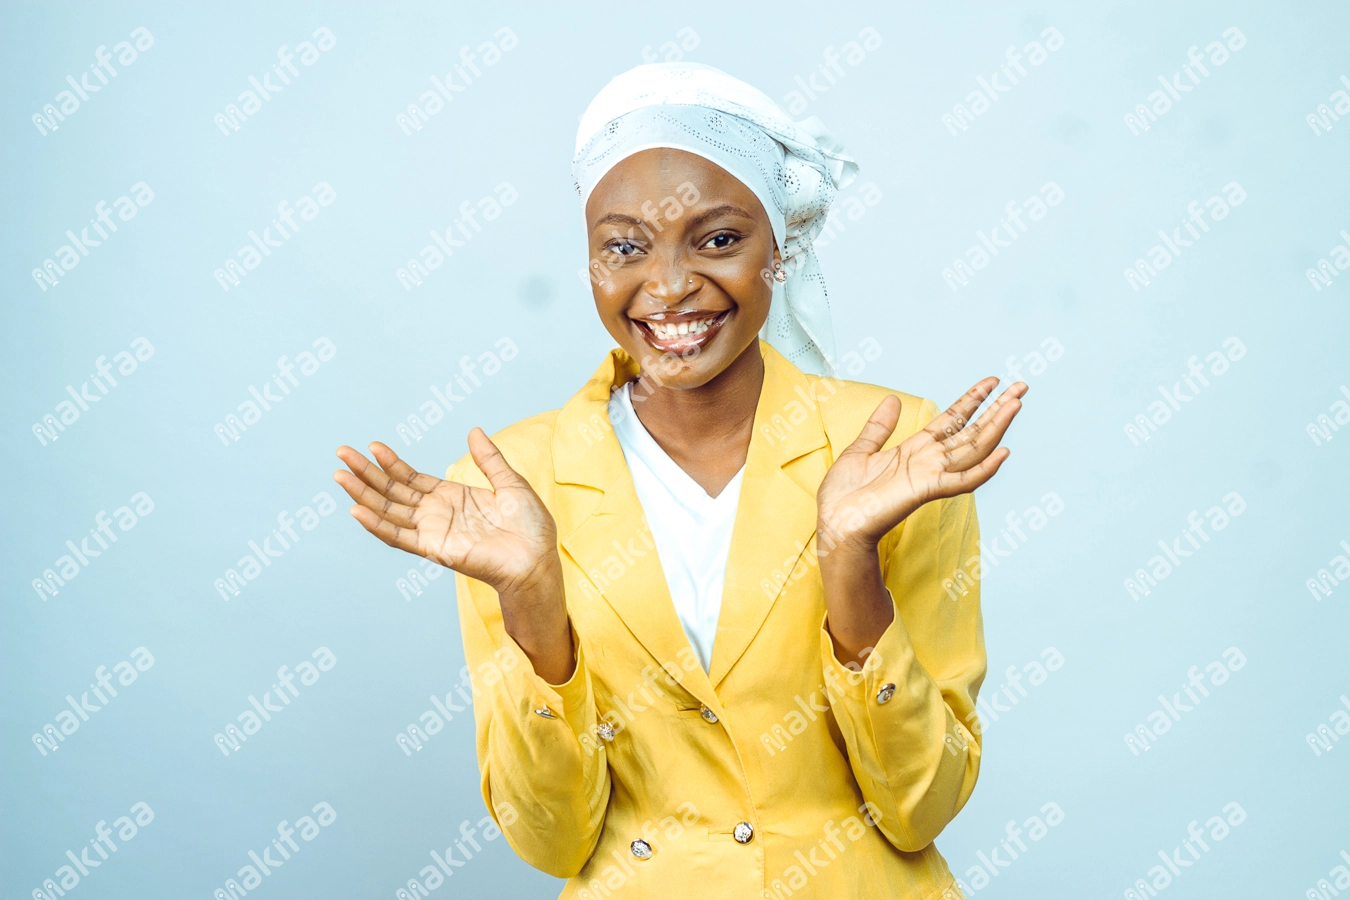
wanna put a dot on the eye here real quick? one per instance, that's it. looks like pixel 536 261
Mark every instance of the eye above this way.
pixel 623 248
pixel 721 241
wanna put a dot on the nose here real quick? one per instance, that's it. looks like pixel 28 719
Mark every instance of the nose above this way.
pixel 671 281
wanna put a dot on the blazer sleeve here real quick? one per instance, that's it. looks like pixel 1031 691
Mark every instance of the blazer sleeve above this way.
pixel 545 777
pixel 908 717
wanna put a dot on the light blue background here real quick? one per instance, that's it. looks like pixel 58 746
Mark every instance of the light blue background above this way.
pixel 335 278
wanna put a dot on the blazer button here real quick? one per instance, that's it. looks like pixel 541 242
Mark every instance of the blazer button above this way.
pixel 886 693
pixel 605 730
pixel 743 833
pixel 708 715
pixel 642 849
pixel 545 712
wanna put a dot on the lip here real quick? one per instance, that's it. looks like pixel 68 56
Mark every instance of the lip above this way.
pixel 686 342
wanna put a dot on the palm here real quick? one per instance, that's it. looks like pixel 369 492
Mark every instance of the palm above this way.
pixel 499 536
pixel 868 491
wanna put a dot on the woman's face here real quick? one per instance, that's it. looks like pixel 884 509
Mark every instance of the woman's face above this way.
pixel 680 252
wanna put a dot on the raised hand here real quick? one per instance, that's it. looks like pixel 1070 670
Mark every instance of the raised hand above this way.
pixel 868 491
pixel 504 537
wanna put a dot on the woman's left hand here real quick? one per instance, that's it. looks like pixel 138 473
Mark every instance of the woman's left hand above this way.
pixel 868 491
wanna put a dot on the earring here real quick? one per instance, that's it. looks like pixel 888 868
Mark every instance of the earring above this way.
pixel 779 273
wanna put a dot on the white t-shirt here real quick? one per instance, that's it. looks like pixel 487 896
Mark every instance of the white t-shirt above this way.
pixel 692 531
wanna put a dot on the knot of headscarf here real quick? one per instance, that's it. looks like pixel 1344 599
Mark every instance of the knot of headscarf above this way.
pixel 794 168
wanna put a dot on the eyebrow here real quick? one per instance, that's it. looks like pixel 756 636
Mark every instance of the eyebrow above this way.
pixel 726 209
pixel 616 218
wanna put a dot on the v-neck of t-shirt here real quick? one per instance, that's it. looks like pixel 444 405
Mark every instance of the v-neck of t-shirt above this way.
pixel 680 483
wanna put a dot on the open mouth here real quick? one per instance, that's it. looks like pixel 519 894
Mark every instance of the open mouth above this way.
pixel 682 331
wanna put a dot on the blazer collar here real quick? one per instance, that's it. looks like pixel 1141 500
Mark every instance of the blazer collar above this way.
pixel 775 518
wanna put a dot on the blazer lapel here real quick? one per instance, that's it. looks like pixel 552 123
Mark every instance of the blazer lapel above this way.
pixel 606 533
pixel 776 515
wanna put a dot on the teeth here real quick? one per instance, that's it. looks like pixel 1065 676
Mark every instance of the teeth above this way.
pixel 668 331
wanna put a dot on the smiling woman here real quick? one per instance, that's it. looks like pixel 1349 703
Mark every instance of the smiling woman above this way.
pixel 702 199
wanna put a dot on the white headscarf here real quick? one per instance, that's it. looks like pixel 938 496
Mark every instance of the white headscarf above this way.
pixel 794 169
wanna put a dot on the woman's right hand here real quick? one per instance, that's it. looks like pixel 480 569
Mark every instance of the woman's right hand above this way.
pixel 504 537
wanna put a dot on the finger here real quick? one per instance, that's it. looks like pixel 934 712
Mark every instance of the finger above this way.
pixel 374 501
pixel 391 534
pixel 363 469
pixel 403 474
pixel 879 427
pixel 968 480
pixel 491 462
pixel 958 414
pixel 988 429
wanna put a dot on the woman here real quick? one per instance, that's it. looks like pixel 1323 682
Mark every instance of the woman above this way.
pixel 703 601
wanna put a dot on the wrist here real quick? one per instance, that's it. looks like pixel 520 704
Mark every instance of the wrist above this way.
pixel 835 547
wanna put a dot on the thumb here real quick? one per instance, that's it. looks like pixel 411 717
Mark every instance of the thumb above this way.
pixel 491 462
pixel 879 427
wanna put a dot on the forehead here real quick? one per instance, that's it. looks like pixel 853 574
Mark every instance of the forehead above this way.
pixel 649 176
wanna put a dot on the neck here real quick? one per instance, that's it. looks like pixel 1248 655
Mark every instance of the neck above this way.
pixel 706 430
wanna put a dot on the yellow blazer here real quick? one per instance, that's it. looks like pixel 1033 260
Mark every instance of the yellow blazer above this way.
pixel 779 772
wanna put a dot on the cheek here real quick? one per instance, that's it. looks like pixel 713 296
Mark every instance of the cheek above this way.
pixel 747 285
